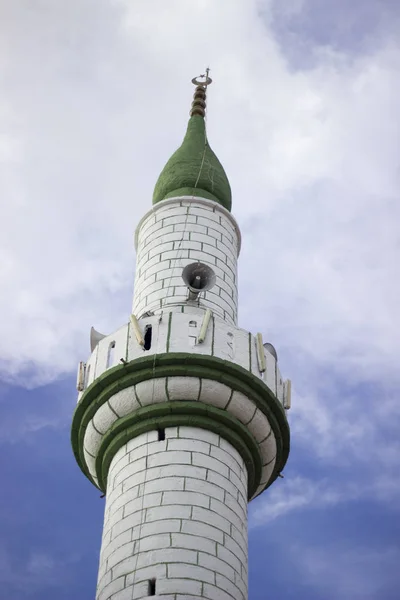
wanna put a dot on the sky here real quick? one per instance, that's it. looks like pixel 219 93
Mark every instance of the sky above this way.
pixel 303 114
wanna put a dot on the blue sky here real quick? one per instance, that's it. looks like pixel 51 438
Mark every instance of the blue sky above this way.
pixel 303 113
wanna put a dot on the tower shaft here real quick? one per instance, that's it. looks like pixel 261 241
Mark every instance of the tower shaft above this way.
pixel 181 414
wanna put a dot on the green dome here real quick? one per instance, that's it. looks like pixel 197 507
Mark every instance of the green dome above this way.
pixel 192 172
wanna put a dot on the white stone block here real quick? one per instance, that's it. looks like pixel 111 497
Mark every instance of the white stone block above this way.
pixel 154 542
pixel 159 527
pixel 204 487
pixel 229 557
pixel 183 388
pixel 215 593
pixel 228 586
pixel 120 554
pixel 216 564
pixel 197 528
pixel 227 513
pixel 189 445
pixel 193 542
pixel 124 402
pixel 210 517
pixel 190 572
pixel 226 458
pixel 123 525
pixel 186 498
pixel 198 434
pixel 267 472
pixel 168 512
pixel 259 426
pixel 208 462
pixel 223 482
pixel 92 439
pixel 268 448
pixel 125 594
pixel 214 393
pixel 179 586
pixel 167 555
pixel 104 418
pixel 168 458
pixel 151 391
pixel 157 571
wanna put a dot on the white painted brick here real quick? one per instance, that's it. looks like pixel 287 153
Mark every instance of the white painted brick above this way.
pixel 129 470
pixel 259 426
pixel 166 555
pixel 92 439
pixel 216 564
pixel 158 571
pixel 239 483
pixel 211 518
pixel 179 586
pixel 126 524
pixel 151 391
pixel 268 448
pixel 198 434
pixel 227 447
pixel 208 462
pixel 215 593
pixel 168 512
pixel 190 572
pixel 189 445
pixel 198 528
pixel 223 482
pixel 138 504
pixel 193 542
pixel 228 556
pixel 124 402
pixel 236 549
pixel 164 484
pixel 104 418
pixel 234 505
pixel 228 586
pixel 168 458
pixel 183 388
pixel 116 543
pixel 215 393
pixel 120 554
pixel 267 472
pixel 226 512
pixel 211 490
pixel 154 542
pixel 176 470
pixel 239 538
pixel 226 459
pixel 125 594
pixel 187 498
pixel 159 527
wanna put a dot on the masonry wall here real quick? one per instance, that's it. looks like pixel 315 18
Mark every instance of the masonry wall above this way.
pixel 177 233
pixel 176 512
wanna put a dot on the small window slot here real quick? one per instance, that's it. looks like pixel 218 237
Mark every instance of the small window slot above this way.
pixel 147 337
pixel 161 435
pixel 152 587
pixel 110 355
pixel 192 324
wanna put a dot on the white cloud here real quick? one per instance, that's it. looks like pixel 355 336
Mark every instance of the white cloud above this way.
pixel 348 573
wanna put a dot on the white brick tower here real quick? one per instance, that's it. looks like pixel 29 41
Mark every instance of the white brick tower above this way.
pixel 181 415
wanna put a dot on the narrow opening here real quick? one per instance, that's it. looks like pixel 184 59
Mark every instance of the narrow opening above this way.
pixel 192 324
pixel 161 435
pixel 147 337
pixel 152 587
pixel 110 355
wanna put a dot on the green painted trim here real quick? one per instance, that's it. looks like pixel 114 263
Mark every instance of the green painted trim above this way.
pixel 180 364
pixel 172 414
pixel 169 331
pixel 192 192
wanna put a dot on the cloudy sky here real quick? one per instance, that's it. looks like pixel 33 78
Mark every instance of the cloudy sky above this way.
pixel 304 115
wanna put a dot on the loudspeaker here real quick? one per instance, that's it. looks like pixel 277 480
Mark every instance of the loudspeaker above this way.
pixel 95 338
pixel 198 277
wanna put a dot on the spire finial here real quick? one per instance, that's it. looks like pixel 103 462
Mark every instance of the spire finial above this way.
pixel 199 98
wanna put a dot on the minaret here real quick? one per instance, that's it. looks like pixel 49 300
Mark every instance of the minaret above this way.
pixel 181 414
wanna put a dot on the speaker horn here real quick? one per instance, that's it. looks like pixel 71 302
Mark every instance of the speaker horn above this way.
pixel 95 338
pixel 198 277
